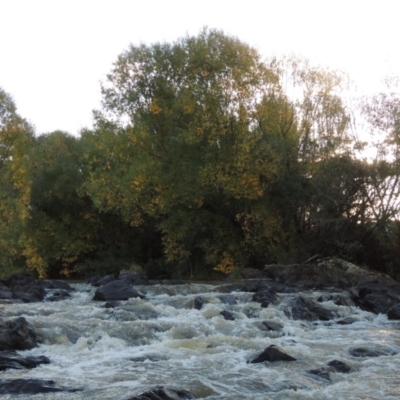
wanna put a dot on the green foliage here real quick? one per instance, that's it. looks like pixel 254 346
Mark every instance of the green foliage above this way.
pixel 204 159
pixel 15 139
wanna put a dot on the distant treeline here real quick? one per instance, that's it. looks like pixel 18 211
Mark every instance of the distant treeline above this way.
pixel 204 159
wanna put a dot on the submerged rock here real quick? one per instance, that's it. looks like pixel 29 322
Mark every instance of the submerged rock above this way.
pixel 339 366
pixel 272 353
pixel 164 393
pixel 116 290
pixel 30 386
pixel 372 350
pixel 17 334
pixel 227 315
pixel 14 360
pixel 199 302
pixel 272 326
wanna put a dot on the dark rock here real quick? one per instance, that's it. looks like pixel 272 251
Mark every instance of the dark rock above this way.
pixel 346 321
pixel 324 273
pixel 252 273
pixel 199 303
pixel 55 284
pixel 6 293
pixel 394 312
pixel 116 290
pixel 338 299
pixel 376 297
pixel 265 298
pixel 272 326
pixel 57 295
pixel 339 366
pixel 25 288
pixel 103 281
pixel 133 277
pixel 111 304
pixel 227 315
pixel 163 393
pixel 30 386
pixel 92 280
pixel 17 334
pixel 320 373
pixel 371 350
pixel 272 353
pixel 304 308
pixel 13 360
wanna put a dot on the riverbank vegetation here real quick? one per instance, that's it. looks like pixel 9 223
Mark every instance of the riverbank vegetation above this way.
pixel 204 159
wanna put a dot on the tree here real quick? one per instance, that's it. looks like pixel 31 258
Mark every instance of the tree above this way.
pixel 16 135
pixel 192 136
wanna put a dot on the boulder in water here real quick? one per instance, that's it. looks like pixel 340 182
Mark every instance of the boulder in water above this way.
pixel 163 393
pixel 116 290
pixel 266 297
pixel 17 334
pixel 14 360
pixel 394 312
pixel 372 350
pixel 30 386
pixel 376 297
pixel 306 309
pixel 272 353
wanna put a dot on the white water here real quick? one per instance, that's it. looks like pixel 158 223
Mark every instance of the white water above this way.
pixel 114 353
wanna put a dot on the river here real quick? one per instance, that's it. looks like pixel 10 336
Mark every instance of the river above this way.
pixel 115 353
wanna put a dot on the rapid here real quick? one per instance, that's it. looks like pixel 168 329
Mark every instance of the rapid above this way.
pixel 118 351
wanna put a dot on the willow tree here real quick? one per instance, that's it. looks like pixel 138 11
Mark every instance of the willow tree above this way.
pixel 184 139
pixel 15 138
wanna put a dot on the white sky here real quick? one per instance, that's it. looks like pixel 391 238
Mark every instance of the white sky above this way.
pixel 54 53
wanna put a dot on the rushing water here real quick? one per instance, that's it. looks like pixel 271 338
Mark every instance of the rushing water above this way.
pixel 114 353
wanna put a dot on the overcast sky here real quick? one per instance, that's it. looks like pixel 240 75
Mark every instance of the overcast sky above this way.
pixel 54 53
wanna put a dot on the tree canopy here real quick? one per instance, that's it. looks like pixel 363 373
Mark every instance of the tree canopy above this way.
pixel 204 159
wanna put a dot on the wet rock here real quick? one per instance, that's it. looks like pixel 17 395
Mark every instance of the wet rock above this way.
pixel 17 334
pixel 199 303
pixel 55 284
pixel 272 326
pixel 14 360
pixel 372 350
pixel 320 373
pixel 347 321
pixel 164 393
pixel 57 295
pixel 265 298
pixel 394 312
pixel 116 290
pixel 6 293
pixel 272 353
pixel 133 277
pixel 306 309
pixel 111 304
pixel 103 281
pixel 338 299
pixel 376 297
pixel 30 386
pixel 227 315
pixel 24 287
pixel 324 273
pixel 92 280
pixel 339 366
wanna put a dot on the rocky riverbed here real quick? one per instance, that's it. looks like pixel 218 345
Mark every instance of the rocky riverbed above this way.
pixel 324 330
